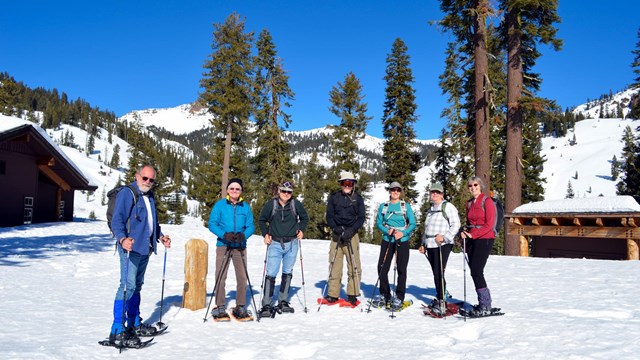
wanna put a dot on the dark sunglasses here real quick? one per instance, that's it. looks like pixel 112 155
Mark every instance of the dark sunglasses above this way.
pixel 347 183
pixel 151 180
pixel 286 191
pixel 473 185
pixel 395 190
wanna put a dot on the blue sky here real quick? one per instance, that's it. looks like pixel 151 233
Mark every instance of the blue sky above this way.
pixel 132 55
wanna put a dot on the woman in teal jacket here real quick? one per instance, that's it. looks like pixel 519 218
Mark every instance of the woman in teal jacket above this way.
pixel 231 221
pixel 396 221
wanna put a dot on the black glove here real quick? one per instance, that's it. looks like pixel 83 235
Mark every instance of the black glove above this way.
pixel 338 230
pixel 348 234
pixel 228 238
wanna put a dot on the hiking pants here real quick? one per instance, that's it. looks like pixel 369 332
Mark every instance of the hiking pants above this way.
pixel 239 269
pixel 335 278
pixel 478 251
pixel 433 254
pixel 402 260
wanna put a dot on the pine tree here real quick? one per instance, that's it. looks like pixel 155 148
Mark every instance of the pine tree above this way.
pixel 570 194
pixel 115 158
pixel 347 104
pixel 272 163
pixel 312 185
pixel 228 94
pixel 399 115
pixel 629 183
pixel 614 168
pixel 635 65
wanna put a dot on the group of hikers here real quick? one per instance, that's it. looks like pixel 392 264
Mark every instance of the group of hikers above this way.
pixel 282 223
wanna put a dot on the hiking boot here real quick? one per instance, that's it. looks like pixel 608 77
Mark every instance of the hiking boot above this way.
pixel 284 307
pixel 146 330
pixel 478 311
pixel 266 311
pixel 379 302
pixel 127 339
pixel 240 313
pixel 219 313
pixel 353 300
pixel 329 300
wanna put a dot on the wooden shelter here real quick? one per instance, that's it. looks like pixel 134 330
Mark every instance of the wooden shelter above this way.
pixel 592 235
pixel 37 180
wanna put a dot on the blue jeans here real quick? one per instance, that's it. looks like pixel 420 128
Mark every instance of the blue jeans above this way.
pixel 277 255
pixel 131 276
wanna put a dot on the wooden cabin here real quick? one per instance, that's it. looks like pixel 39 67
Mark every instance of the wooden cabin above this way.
pixel 37 180
pixel 573 230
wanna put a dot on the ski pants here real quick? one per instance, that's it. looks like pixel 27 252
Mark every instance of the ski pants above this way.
pixel 353 261
pixel 401 252
pixel 478 251
pixel 433 254
pixel 222 268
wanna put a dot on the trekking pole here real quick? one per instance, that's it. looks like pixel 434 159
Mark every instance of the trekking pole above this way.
pixel 384 261
pixel 354 269
pixel 330 268
pixel 225 264
pixel 304 292
pixel 253 300
pixel 395 287
pixel 124 298
pixel 160 324
pixel 264 272
pixel 442 301
pixel 464 272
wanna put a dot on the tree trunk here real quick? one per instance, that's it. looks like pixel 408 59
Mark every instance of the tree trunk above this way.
pixel 482 150
pixel 513 176
pixel 226 161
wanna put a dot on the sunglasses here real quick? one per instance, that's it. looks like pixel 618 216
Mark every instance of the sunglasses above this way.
pixel 473 185
pixel 347 183
pixel 235 189
pixel 286 192
pixel 395 190
pixel 151 180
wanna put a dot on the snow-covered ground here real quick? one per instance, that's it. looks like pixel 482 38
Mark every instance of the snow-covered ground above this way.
pixel 58 283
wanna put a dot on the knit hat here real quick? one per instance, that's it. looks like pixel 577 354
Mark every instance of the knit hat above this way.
pixel 235 180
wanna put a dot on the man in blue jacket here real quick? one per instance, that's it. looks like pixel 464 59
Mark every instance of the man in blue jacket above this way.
pixel 136 229
pixel 231 221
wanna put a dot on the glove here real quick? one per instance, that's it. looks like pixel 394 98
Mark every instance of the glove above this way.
pixel 348 234
pixel 228 238
pixel 239 237
pixel 338 230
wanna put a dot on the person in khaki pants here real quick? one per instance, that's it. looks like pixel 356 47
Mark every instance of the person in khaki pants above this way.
pixel 345 216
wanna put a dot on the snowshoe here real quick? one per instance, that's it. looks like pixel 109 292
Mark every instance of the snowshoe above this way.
pixel 329 300
pixel 351 302
pixel 396 305
pixel 126 340
pixel 379 302
pixel 265 312
pixel 240 314
pixel 435 309
pixel 284 307
pixel 479 312
pixel 146 330
pixel 219 314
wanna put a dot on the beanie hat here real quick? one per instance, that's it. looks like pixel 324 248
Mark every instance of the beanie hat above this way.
pixel 235 180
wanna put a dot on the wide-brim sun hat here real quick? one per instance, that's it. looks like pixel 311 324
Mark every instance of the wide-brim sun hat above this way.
pixel 346 175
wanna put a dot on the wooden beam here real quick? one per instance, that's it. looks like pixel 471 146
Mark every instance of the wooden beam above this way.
pixel 555 221
pixel 516 221
pixel 536 221
pixel 632 222
pixel 577 222
pixel 599 222
pixel 524 246
pixel 54 177
pixel 575 231
pixel 46 160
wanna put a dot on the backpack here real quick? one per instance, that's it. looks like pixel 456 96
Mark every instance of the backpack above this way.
pixel 442 210
pixel 111 202
pixel 403 208
pixel 497 227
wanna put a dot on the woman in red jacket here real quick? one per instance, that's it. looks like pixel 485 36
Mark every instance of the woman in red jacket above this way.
pixel 481 219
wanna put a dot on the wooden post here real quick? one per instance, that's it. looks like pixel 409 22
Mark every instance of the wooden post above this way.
pixel 524 246
pixel 196 264
pixel 632 250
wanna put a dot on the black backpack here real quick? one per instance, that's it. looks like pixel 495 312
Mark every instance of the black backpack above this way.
pixel 111 203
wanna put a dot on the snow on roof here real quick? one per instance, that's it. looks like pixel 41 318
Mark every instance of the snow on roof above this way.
pixel 9 122
pixel 601 204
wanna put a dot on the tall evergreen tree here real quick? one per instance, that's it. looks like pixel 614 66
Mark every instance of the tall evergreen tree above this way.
pixel 399 115
pixel 635 65
pixel 629 183
pixel 347 104
pixel 228 95
pixel 272 163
